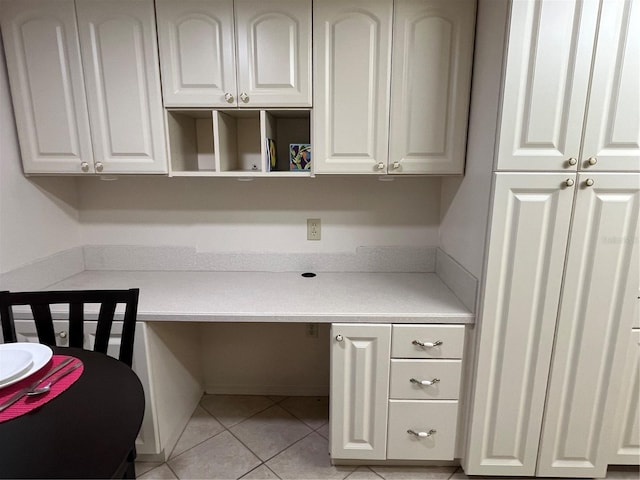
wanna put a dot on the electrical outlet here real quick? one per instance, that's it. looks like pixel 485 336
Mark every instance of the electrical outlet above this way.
pixel 313 229
pixel 312 330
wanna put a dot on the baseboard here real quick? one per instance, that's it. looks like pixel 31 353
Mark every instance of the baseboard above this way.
pixel 285 390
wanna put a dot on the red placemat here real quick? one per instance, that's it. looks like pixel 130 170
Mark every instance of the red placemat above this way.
pixel 26 404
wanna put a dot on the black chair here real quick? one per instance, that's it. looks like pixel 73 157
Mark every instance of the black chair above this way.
pixel 40 303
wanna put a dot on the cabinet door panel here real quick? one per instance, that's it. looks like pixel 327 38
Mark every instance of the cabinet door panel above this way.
pixel 612 131
pixel 352 56
pixel 119 54
pixel 274 52
pixel 430 85
pixel 197 52
pixel 528 239
pixel 546 81
pixel 626 440
pixel 598 300
pixel 47 86
pixel 359 391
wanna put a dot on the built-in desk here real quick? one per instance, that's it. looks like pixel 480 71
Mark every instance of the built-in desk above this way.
pixel 194 322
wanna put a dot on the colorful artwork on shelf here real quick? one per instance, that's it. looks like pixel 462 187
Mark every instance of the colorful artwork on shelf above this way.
pixel 270 149
pixel 300 156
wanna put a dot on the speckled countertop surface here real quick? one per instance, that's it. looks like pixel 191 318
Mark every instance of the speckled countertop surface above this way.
pixel 282 297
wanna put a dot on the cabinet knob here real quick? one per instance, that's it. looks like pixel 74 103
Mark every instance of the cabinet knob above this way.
pixel 589 182
pixel 422 434
pixel 592 161
pixel 569 182
pixel 62 334
pixel 99 166
pixel 339 338
pixel 426 383
pixel 396 165
pixel 229 98
pixel 437 343
pixel 380 166
pixel 244 97
pixel 84 166
pixel 572 161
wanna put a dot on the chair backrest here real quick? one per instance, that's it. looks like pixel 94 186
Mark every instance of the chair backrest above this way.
pixel 40 303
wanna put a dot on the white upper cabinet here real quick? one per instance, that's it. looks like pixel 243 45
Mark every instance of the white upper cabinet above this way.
pixel 392 84
pixel 274 52
pixel 120 60
pixel 197 52
pixel 47 86
pixel 85 85
pixel 352 61
pixel 430 84
pixel 550 87
pixel 227 53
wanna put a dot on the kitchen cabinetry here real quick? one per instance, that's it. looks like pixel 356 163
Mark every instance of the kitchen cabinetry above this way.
pixel 571 87
pixel 626 439
pixel 148 438
pixel 205 44
pixel 421 83
pixel 523 373
pixel 85 85
pixel 394 391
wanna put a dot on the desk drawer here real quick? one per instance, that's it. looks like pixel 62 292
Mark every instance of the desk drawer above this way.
pixel 438 341
pixel 439 417
pixel 446 372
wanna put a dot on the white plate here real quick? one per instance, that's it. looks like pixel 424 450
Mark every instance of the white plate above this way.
pixel 40 356
pixel 13 362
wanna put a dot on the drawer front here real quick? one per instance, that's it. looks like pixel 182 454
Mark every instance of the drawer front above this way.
pixel 427 341
pixel 409 379
pixel 437 417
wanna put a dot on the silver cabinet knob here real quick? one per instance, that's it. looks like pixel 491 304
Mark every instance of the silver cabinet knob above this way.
pixel 437 343
pixel 589 182
pixel 425 383
pixel 229 98
pixel 380 166
pixel 572 161
pixel 569 182
pixel 592 161
pixel 396 165
pixel 84 166
pixel 62 334
pixel 422 434
pixel 339 338
pixel 99 166
pixel 244 97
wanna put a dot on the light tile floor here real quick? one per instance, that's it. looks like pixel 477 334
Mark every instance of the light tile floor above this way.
pixel 258 437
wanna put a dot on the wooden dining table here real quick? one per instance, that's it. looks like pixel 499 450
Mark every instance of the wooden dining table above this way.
pixel 88 431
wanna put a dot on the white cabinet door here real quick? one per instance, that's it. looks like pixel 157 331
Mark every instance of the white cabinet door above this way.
pixel 595 317
pixel 359 391
pixel 274 53
pixel 120 60
pixel 528 239
pixel 550 48
pixel 47 86
pixel 626 439
pixel 430 85
pixel 352 60
pixel 612 131
pixel 197 52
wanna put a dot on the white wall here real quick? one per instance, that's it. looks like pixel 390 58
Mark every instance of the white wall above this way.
pixel 266 215
pixel 38 216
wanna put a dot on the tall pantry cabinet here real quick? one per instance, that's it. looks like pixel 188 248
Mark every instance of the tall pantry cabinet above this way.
pixel 85 84
pixel 561 279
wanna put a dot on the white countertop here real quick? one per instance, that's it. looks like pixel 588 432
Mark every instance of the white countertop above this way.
pixel 282 297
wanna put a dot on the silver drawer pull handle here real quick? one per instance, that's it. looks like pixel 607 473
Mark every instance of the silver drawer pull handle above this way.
pixel 425 382
pixel 422 434
pixel 437 343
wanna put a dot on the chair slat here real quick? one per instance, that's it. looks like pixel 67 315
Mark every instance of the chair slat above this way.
pixel 76 325
pixel 103 332
pixel 6 319
pixel 44 323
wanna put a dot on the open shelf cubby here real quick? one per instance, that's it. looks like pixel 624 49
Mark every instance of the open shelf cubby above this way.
pixel 205 142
